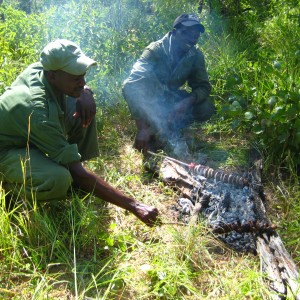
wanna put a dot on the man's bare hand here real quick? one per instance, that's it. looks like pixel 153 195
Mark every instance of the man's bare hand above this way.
pixel 142 139
pixel 143 135
pixel 85 107
pixel 147 214
pixel 181 108
pixel 181 111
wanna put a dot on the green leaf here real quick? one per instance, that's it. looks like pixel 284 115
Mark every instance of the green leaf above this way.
pixel 297 137
pixel 291 112
pixel 297 124
pixel 235 106
pixel 277 65
pixel 283 137
pixel 257 129
pixel 112 226
pixel 272 102
pixel 248 115
pixel 110 241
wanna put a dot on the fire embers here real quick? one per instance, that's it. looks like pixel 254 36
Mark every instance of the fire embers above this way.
pixel 230 211
pixel 256 227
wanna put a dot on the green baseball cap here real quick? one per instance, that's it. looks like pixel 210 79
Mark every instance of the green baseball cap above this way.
pixel 65 55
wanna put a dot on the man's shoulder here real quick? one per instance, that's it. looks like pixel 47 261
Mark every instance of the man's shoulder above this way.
pixel 154 46
pixel 34 72
pixel 159 44
pixel 31 70
pixel 28 85
pixel 30 74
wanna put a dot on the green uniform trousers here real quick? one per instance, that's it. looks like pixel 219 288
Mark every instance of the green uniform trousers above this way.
pixel 29 173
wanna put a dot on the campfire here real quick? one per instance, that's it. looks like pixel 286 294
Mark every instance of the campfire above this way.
pixel 234 208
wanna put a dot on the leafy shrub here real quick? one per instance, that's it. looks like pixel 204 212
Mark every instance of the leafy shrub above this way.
pixel 257 84
pixel 21 39
pixel 276 107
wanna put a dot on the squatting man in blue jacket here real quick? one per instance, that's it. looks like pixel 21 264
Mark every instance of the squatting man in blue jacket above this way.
pixel 168 87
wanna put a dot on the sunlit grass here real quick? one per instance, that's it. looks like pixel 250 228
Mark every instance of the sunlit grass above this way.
pixel 84 247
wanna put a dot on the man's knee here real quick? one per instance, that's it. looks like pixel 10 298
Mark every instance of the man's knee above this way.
pixel 55 186
pixel 62 179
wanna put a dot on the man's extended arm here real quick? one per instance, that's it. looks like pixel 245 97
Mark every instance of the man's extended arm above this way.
pixel 92 183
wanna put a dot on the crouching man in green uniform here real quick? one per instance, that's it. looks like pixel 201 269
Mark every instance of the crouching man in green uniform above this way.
pixel 168 87
pixel 47 128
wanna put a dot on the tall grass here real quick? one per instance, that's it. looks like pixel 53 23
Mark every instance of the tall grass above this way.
pixel 82 247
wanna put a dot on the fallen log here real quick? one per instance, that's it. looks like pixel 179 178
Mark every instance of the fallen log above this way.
pixel 277 266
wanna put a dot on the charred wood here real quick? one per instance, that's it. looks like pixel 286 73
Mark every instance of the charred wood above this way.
pixel 252 226
pixel 277 266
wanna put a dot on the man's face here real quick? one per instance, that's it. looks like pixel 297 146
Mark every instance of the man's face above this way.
pixel 67 84
pixel 186 37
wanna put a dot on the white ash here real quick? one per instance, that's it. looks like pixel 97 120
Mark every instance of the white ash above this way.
pixel 225 204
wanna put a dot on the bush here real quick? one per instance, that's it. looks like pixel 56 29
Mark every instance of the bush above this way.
pixel 21 39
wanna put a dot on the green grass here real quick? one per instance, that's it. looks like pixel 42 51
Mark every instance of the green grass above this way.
pixel 83 247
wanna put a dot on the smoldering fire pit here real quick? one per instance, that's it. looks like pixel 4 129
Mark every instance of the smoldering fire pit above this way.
pixel 233 207
pixel 230 210
pixel 226 201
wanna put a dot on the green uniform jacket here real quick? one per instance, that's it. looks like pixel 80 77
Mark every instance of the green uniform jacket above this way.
pixel 31 115
pixel 155 73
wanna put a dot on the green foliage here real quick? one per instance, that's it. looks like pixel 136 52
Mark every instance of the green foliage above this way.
pixel 21 39
pixel 258 85
pixel 278 108
pixel 109 35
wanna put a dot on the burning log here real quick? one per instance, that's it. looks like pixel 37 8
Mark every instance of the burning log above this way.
pixel 252 226
pixel 209 198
